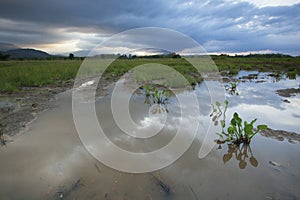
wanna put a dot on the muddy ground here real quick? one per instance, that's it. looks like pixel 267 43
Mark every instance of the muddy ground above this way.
pixel 18 109
pixel 288 92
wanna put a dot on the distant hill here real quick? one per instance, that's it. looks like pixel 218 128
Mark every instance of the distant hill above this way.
pixel 27 53
pixel 4 46
pixel 16 52
pixel 150 51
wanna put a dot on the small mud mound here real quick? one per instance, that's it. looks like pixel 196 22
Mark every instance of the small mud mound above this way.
pixel 288 92
pixel 281 135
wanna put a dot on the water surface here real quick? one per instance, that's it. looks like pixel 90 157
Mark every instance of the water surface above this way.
pixel 50 162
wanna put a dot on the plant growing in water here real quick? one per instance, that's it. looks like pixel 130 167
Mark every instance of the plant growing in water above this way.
pixel 156 95
pixel 240 132
pixel 231 87
pixel 159 96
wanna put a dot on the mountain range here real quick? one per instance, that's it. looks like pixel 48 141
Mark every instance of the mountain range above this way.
pixel 15 52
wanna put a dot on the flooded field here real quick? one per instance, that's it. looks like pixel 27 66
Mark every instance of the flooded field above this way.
pixel 49 161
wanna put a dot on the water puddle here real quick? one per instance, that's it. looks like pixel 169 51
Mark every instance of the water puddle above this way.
pixel 8 104
pixel 50 162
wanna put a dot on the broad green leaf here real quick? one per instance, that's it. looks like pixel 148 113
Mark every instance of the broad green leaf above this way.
pixel 248 130
pixel 253 121
pixel 262 127
pixel 235 116
pixel 226 102
pixel 230 130
pixel 221 135
pixel 233 122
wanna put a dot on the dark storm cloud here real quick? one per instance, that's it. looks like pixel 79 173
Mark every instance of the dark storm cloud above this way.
pixel 218 25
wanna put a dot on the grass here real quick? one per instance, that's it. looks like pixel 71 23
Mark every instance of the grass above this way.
pixel 17 74
pixel 260 63
pixel 14 75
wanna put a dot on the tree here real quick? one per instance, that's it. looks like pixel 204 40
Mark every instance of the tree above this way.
pixel 4 56
pixel 71 56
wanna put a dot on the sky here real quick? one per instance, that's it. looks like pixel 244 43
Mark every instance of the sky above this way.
pixel 220 26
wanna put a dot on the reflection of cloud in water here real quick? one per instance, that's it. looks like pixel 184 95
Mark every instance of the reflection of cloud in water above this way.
pixel 272 116
pixel 63 166
pixel 151 122
pixel 261 93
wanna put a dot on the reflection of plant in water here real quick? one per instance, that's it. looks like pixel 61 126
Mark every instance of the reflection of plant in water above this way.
pixel 238 131
pixel 277 76
pixel 157 109
pixel 217 112
pixel 231 87
pixel 241 154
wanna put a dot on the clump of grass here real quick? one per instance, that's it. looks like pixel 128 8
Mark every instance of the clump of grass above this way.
pixel 233 71
pixel 291 74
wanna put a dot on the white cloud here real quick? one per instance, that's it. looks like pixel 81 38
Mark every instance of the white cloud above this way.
pixel 265 3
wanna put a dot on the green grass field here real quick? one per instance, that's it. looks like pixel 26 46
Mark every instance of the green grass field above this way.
pixel 28 73
pixel 34 73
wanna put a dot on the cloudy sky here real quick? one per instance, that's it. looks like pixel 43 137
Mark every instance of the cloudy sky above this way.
pixel 61 26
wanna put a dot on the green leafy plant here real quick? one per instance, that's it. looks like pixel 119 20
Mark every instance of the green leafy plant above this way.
pixel 155 95
pixel 231 87
pixel 240 132
pixel 159 96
